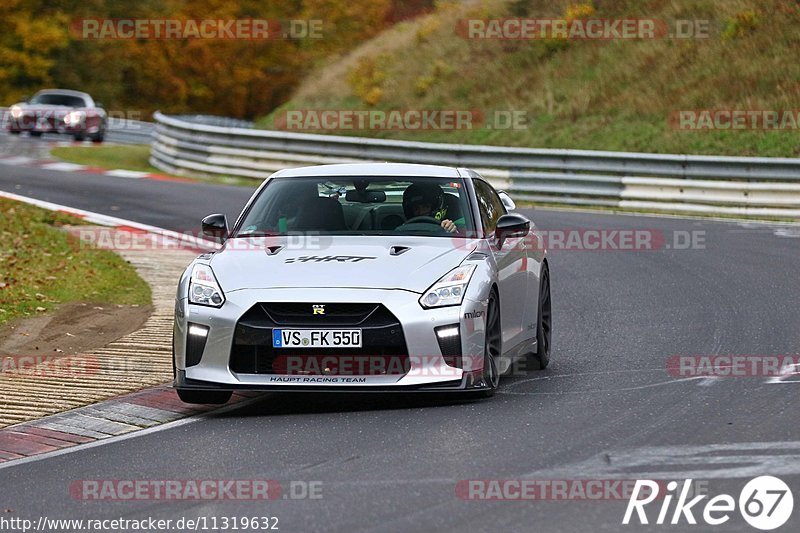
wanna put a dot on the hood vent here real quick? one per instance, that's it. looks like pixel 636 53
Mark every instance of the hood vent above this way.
pixel 272 250
pixel 398 250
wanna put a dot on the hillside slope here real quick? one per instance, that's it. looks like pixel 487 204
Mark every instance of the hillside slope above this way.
pixel 616 94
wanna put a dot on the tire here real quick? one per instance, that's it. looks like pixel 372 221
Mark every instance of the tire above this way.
pixel 14 132
pixel 213 397
pixel 544 322
pixel 493 346
pixel 36 134
pixel 98 137
pixel 78 138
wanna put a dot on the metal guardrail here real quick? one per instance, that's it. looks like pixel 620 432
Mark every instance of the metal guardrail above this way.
pixel 130 131
pixel 764 187
pixel 214 120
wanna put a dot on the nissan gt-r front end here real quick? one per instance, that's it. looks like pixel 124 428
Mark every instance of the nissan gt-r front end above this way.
pixel 368 283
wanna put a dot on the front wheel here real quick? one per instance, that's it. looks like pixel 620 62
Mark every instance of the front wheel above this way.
pixel 36 134
pixel 544 323
pixel 213 397
pixel 493 347
pixel 98 137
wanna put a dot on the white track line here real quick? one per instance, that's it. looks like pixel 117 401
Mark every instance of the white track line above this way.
pixel 63 166
pixel 127 173
pixel 596 391
pixel 16 160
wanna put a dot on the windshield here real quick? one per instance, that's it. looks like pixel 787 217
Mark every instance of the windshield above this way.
pixel 360 206
pixel 58 99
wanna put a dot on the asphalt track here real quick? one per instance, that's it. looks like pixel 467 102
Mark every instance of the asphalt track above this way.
pixel 605 409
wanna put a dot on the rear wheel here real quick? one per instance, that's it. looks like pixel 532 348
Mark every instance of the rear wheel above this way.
pixel 98 137
pixel 493 347
pixel 14 132
pixel 36 134
pixel 544 324
pixel 79 137
pixel 204 396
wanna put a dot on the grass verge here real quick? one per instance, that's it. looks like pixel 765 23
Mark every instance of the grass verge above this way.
pixel 43 266
pixel 133 157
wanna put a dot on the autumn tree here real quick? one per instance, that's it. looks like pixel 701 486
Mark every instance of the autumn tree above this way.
pixel 40 47
pixel 31 34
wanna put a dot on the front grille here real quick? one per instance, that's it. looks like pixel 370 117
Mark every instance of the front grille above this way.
pixel 383 348
pixel 335 314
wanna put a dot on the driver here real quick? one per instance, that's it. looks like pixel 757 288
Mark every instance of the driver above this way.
pixel 427 200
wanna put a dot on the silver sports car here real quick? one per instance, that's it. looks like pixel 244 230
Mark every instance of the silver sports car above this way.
pixel 367 277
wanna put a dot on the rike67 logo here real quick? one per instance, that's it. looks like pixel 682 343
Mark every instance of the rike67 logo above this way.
pixel 765 503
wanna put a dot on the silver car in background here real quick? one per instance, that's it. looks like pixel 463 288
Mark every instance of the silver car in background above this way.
pixel 364 277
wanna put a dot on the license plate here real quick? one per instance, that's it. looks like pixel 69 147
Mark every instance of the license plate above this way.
pixel 316 338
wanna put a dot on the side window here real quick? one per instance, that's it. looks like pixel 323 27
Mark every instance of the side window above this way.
pixel 489 203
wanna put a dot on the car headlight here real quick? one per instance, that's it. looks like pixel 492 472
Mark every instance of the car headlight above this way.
pixel 450 289
pixel 74 117
pixel 16 111
pixel 203 287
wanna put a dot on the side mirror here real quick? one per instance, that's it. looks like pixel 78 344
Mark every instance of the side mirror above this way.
pixel 98 104
pixel 510 226
pixel 216 227
pixel 25 99
pixel 507 201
